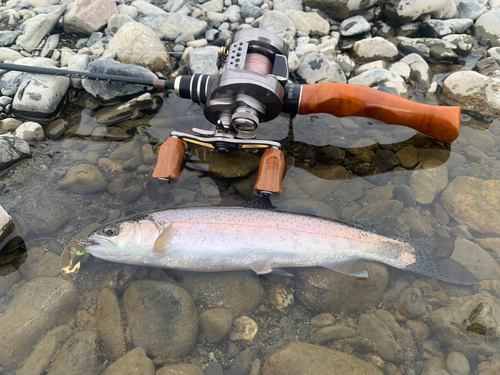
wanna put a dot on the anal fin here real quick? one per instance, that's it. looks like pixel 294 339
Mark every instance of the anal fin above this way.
pixel 349 266
pixel 261 267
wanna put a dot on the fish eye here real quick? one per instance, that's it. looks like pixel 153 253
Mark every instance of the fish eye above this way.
pixel 110 231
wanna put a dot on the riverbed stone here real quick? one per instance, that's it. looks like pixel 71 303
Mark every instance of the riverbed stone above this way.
pixel 473 92
pixel 469 325
pixel 30 131
pixel 78 356
pixel 420 72
pixel 6 224
pixel 315 68
pixel 216 323
pixel 477 260
pixel 172 25
pixel 298 358
pixel 487 28
pixel 354 26
pixel 239 292
pixel 40 263
pixel 244 329
pixel 147 49
pixel 204 60
pixel 182 369
pixel 438 28
pixel 375 212
pixel 323 290
pixel 400 12
pixel 83 179
pixel 411 303
pixel 162 318
pixel 109 325
pixel 474 202
pixel 309 23
pixel 371 327
pixel 463 42
pixel 37 307
pixel 382 80
pixel 12 150
pixel 88 16
pixel 134 362
pixel 372 49
pixel 280 24
pixel 428 181
pixel 341 9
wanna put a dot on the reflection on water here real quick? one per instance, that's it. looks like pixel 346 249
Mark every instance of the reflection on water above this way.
pixel 387 179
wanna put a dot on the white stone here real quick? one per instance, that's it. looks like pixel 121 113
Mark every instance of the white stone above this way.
pixel 306 48
pixel 128 10
pixel 30 131
pixel 308 22
pixel 421 74
pixel 281 25
pixel 400 69
pixel 78 63
pixel 382 79
pixel 379 64
pixel 9 54
pixel 372 49
pixel 146 8
pixel 495 53
pixel 197 43
pixel 293 62
pixel 354 26
pixel 488 27
pixel 5 223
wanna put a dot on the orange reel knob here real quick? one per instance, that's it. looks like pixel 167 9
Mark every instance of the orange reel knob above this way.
pixel 271 170
pixel 170 159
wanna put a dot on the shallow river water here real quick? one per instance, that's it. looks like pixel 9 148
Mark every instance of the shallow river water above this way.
pixel 387 179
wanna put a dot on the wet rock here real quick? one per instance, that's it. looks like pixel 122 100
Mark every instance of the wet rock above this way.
pixel 243 329
pixel 121 111
pixel 371 327
pixel 233 165
pixel 130 194
pixel 39 360
pixel 40 263
pixel 37 307
pixel 473 92
pixel 354 26
pixel 140 39
pixel 439 28
pixel 386 160
pixel 410 46
pixel 280 24
pixel 280 297
pixel 309 23
pixel 378 211
pixel 338 332
pixel 9 124
pixel 403 193
pixel 172 25
pixel 12 150
pixel 37 27
pixel 322 320
pixel 382 80
pixel 488 67
pixel 341 9
pixel 457 363
pixel 435 365
pixel 306 206
pixel 327 172
pixel 134 362
pixel 298 358
pixel 238 292
pixel 77 356
pixel 373 49
pixel 88 16
pixel 204 60
pixel 420 73
pixel 411 303
pixel 487 28
pixel 172 310
pixel 469 325
pixel 6 225
pixel 83 179
pixel 428 181
pixel 331 155
pixel 51 210
pixel 420 331
pixel 30 131
pixel 400 12
pixel 109 325
pixel 463 42
pixel 180 369
pixel 242 364
pixel 477 260
pixel 114 90
pixel 320 289
pixel 216 323
pixel 315 68
pixel 474 202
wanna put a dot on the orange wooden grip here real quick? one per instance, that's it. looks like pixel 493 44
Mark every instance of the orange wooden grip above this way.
pixel 170 159
pixel 271 169
pixel 442 123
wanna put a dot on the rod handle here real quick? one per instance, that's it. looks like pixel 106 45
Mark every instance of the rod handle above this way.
pixel 271 170
pixel 338 99
pixel 170 159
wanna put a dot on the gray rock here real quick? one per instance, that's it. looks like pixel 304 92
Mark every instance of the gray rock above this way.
pixel 216 323
pixel 469 325
pixel 495 53
pixel 411 303
pixel 488 67
pixel 337 332
pixel 420 72
pixel 306 206
pixel 487 28
pixel 477 260
pixel 9 38
pixel 371 327
pixel 86 17
pixel 40 263
pixel 408 30
pixel 37 307
pixel 146 8
pixel 183 369
pixel 281 25
pixel 114 90
pixel 323 290
pixel 77 356
pixel 409 46
pixel 171 308
pixel 373 49
pixel 283 5
pixel 238 292
pixel 204 60
pixel 428 181
pixel 130 194
pixel 109 325
pixel 378 211
pixel 457 363
pixel 379 64
pixel 12 150
pixel 50 45
pixel 315 68
pixel 37 27
pixel 83 179
pixel 470 9
pixel 30 131
pixel 400 12
pixel 39 360
pixel 309 23
pixel 382 80
pixel 247 10
pixel 354 26
pixel 172 25
pixel 78 63
pixel 341 9
pixel 134 362
pixel 6 225
pixel 128 10
pixel 439 28
pixel 463 42
pixel 116 21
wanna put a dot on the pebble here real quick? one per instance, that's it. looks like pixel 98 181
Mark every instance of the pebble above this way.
pixel 109 325
pixel 216 323
pixel 280 297
pixel 411 303
pixel 354 26
pixel 134 362
pixel 180 369
pixel 457 363
pixel 243 329
pixel 83 179
pixel 337 332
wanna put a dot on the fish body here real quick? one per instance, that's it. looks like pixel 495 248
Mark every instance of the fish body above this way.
pixel 233 238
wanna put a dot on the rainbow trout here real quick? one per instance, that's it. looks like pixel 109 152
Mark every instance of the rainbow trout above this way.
pixel 234 238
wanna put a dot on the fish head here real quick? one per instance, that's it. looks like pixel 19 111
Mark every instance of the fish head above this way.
pixel 123 241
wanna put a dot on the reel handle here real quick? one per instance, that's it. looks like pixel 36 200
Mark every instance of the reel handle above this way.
pixel 338 99
pixel 271 170
pixel 170 159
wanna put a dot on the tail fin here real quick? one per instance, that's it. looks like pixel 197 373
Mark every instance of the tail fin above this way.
pixel 432 259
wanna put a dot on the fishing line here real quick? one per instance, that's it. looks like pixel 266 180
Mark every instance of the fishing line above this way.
pixel 258 63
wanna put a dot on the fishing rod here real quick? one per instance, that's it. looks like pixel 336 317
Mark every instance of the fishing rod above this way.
pixel 252 87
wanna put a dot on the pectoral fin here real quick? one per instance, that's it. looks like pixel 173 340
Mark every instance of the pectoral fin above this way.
pixel 351 267
pixel 261 267
pixel 164 241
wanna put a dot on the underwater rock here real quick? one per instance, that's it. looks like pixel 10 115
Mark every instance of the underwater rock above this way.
pixel 238 292
pixel 216 323
pixel 109 325
pixel 280 296
pixel 298 358
pixel 78 356
pixel 12 150
pixel 378 211
pixel 428 181
pixel 121 111
pixel 477 260
pixel 243 329
pixel 337 332
pixel 148 50
pixel 40 263
pixel 88 16
pixel 134 362
pixel 411 303
pixel 37 307
pixel 83 179
pixel 474 202
pixel 323 290
pixel 162 318
pixel 469 325
pixel 180 369
pixel 233 165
